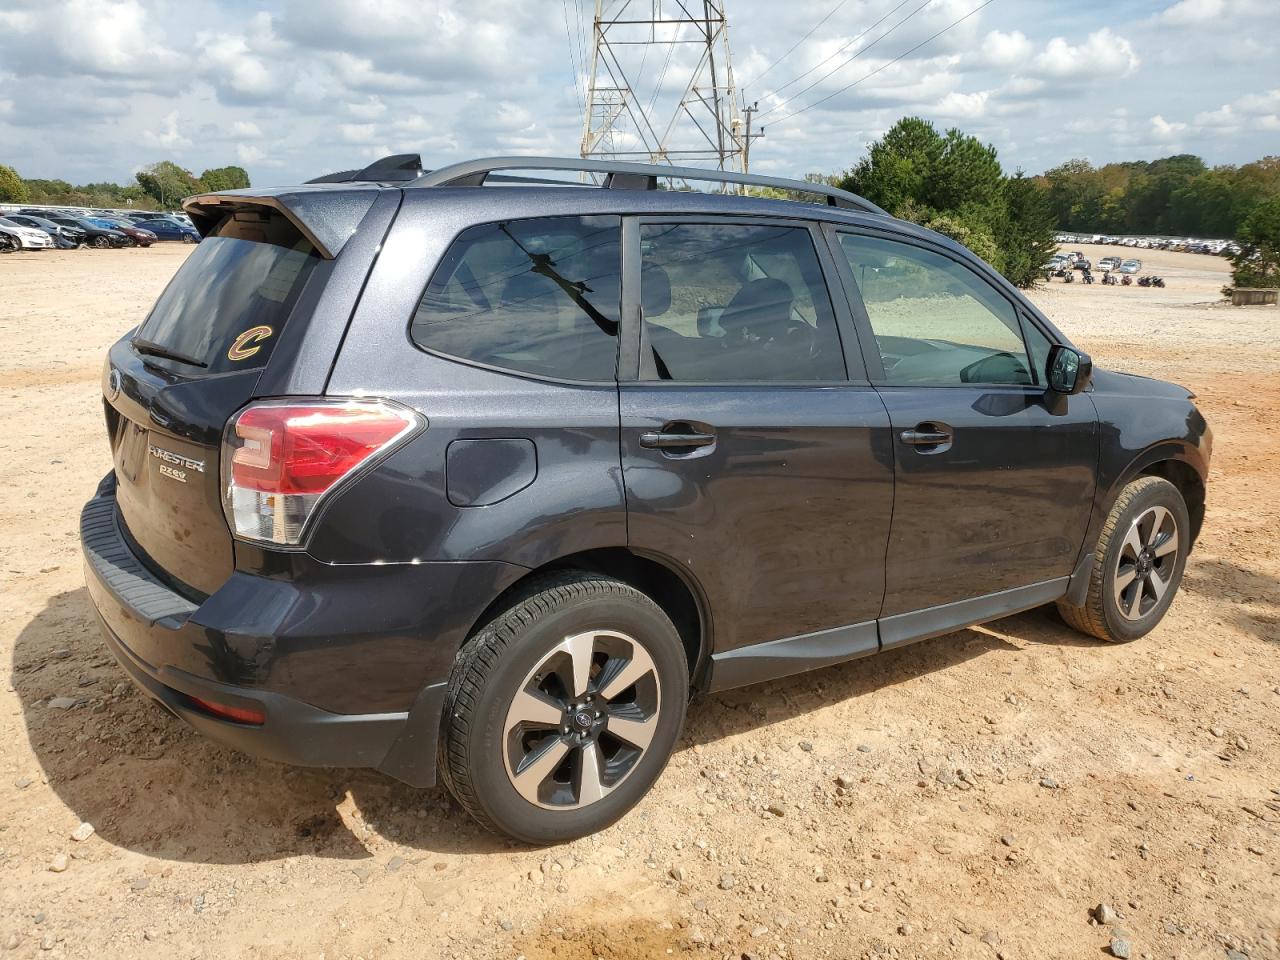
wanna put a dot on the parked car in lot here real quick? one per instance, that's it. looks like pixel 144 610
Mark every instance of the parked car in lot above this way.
pixel 1082 263
pixel 481 483
pixel 66 238
pixel 22 237
pixel 166 228
pixel 1130 266
pixel 137 234
pixel 1108 263
pixel 95 235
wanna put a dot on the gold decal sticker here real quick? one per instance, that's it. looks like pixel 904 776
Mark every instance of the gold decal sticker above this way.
pixel 247 344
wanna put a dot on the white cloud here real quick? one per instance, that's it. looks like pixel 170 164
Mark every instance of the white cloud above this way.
pixel 169 137
pixel 228 59
pixel 963 105
pixel 292 88
pixel 1268 102
pixel 1103 54
pixel 1006 49
pixel 1194 11
pixel 1164 130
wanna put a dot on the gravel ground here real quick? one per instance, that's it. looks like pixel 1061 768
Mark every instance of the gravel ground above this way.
pixel 1014 790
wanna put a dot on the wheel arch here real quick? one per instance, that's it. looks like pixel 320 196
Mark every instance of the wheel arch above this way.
pixel 671 588
pixel 1182 464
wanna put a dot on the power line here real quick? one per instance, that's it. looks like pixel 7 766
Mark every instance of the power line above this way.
pixel 908 53
pixel 843 47
pixel 755 80
pixel 573 66
pixel 836 69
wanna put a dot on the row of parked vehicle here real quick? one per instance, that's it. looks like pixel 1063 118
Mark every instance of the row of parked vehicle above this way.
pixel 1114 270
pixel 1213 247
pixel 59 229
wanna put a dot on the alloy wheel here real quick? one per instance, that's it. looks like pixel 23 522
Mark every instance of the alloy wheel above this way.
pixel 582 720
pixel 1145 566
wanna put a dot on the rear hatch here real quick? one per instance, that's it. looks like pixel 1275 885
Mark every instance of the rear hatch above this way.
pixel 170 387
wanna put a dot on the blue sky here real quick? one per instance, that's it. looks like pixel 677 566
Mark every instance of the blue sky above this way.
pixel 95 89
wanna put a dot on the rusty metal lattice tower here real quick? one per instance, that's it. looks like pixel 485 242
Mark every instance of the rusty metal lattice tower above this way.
pixel 690 114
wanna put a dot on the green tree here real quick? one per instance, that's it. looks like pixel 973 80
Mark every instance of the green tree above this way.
pixel 167 183
pixel 953 183
pixel 224 178
pixel 897 167
pixel 1025 236
pixel 1258 262
pixel 12 187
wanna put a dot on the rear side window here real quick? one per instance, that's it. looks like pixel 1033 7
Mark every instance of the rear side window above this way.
pixel 736 301
pixel 535 296
pixel 225 307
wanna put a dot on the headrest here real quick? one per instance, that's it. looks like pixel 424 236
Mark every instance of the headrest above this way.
pixel 655 290
pixel 761 305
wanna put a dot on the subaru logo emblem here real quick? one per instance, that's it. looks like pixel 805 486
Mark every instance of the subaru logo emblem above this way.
pixel 113 384
pixel 583 719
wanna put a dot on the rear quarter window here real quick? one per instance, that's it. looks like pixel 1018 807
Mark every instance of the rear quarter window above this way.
pixel 539 296
pixel 228 303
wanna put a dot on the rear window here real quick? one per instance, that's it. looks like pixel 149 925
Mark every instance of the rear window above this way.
pixel 225 307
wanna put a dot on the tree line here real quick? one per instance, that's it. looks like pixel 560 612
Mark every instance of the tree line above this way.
pixel 953 183
pixel 1175 196
pixel 161 185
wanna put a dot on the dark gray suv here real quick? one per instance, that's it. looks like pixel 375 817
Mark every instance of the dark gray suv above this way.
pixel 483 475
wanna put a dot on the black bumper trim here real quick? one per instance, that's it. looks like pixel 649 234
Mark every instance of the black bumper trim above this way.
pixel 109 557
pixel 294 732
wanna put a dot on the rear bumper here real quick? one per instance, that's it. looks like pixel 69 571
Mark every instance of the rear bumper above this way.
pixel 293 732
pixel 286 650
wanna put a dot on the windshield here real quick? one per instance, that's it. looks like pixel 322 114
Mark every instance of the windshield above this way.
pixel 226 305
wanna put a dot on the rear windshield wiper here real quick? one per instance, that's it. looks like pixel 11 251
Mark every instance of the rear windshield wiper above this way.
pixel 157 350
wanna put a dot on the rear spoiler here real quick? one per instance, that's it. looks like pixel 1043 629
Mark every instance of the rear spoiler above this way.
pixel 325 215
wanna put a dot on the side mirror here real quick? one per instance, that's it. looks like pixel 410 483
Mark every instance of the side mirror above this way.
pixel 1069 371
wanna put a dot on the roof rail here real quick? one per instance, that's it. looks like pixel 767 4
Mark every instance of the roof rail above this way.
pixel 620 175
pixel 397 168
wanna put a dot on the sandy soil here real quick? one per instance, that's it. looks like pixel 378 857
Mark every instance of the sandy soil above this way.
pixel 911 812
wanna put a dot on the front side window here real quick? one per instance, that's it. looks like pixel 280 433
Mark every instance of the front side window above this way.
pixel 934 320
pixel 736 302
pixel 535 296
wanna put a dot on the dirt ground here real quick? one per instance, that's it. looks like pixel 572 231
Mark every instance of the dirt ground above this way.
pixel 971 796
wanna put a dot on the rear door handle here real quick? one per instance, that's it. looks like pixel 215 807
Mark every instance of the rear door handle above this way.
pixel 669 441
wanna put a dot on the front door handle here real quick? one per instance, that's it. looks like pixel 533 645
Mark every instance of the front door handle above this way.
pixel 927 435
pixel 669 441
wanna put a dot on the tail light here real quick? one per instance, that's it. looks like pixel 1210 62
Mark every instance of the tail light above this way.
pixel 281 459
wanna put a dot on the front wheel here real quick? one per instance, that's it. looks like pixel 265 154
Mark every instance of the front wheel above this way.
pixel 188 238
pixel 1137 563
pixel 101 242
pixel 563 710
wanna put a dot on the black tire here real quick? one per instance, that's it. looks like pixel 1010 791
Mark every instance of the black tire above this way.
pixel 515 652
pixel 101 242
pixel 1104 614
pixel 188 238
pixel 8 244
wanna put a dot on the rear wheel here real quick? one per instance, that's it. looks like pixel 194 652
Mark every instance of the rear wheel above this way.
pixel 1137 563
pixel 8 244
pixel 101 242
pixel 188 238
pixel 563 709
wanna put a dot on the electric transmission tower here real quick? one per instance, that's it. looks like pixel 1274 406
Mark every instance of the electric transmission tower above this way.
pixel 688 113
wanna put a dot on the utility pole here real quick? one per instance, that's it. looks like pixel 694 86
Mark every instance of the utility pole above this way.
pixel 748 135
pixel 687 114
